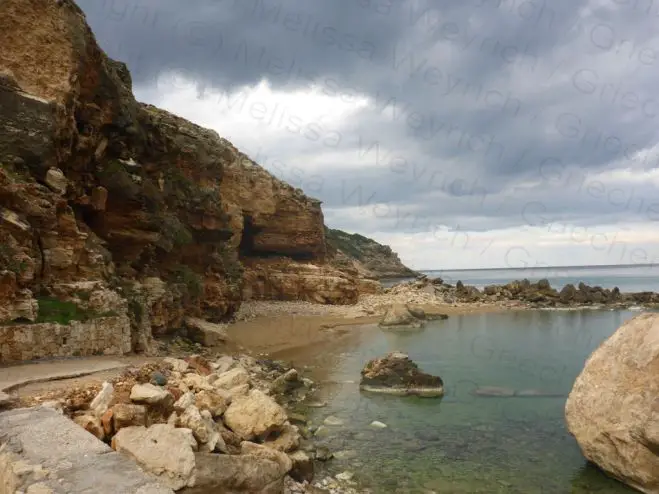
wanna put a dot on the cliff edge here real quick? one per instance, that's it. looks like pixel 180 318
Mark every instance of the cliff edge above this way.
pixel 368 257
pixel 118 219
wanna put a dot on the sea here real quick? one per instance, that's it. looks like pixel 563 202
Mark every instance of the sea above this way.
pixel 464 443
pixel 628 278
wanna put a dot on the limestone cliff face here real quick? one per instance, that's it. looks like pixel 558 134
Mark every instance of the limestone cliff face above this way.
pixel 100 194
pixel 365 256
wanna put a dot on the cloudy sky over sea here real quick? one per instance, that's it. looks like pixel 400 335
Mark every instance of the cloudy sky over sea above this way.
pixel 463 133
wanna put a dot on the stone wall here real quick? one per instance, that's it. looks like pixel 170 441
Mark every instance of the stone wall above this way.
pixel 101 336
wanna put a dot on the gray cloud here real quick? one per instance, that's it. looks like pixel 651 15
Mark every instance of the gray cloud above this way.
pixel 482 109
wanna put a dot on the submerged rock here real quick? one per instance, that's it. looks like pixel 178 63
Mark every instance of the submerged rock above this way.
pixel 494 391
pixel 396 374
pixel 613 408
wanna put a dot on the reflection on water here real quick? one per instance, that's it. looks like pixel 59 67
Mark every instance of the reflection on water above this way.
pixel 462 442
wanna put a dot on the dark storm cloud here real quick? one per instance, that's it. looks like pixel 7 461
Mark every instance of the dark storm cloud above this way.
pixel 481 110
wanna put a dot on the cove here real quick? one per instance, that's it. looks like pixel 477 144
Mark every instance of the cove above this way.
pixel 469 441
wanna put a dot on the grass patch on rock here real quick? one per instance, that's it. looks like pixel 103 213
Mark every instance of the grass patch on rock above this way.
pixel 53 310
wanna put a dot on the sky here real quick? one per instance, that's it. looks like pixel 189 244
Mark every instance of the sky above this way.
pixel 462 133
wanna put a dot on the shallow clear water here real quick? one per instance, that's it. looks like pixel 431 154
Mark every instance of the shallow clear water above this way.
pixel 464 443
pixel 632 278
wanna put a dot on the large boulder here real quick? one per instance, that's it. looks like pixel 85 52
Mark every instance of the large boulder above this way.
pixel 399 315
pixel 246 473
pixel 254 415
pixel 396 374
pixel 162 450
pixel 205 333
pixel 613 409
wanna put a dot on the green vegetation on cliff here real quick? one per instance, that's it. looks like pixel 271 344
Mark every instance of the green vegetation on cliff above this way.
pixel 368 256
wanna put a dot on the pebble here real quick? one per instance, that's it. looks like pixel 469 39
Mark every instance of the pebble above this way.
pixel 378 425
pixel 158 379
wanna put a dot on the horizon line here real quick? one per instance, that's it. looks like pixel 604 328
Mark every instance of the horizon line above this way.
pixel 531 268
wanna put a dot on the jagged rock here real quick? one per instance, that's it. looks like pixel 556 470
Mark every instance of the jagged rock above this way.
pixel 262 451
pixel 396 374
pixel 17 303
pixel 128 415
pixel 151 395
pixel 99 198
pixel 399 315
pixel 56 180
pixel 567 293
pixel 216 402
pixel 254 415
pixel 186 400
pixel 107 423
pixel 286 439
pixel 199 364
pixel 92 424
pixel 238 474
pixel 162 450
pixel 286 383
pixel 232 378
pixel 197 382
pixel 101 402
pixel 612 410
pixel 203 427
pixel 237 391
pixel 177 365
pixel 204 332
pixel 303 468
pixel 224 364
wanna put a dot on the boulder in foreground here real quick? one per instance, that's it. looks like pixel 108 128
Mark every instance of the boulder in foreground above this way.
pixel 396 374
pixel 161 450
pixel 613 408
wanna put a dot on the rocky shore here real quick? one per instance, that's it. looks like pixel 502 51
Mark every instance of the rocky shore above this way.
pixel 229 424
pixel 524 294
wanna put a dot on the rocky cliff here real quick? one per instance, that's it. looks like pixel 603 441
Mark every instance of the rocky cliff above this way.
pixel 118 211
pixel 367 257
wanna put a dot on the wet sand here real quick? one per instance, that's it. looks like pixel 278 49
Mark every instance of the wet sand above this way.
pixel 276 333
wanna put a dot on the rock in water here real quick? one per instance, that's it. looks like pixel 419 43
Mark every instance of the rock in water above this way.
pixel 396 374
pixel 613 408
pixel 494 391
pixel 399 315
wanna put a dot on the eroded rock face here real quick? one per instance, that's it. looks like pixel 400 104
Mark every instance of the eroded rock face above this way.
pixel 613 408
pixel 278 279
pixel 396 374
pixel 97 187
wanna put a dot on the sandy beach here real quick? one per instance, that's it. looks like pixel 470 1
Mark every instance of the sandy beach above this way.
pixel 279 327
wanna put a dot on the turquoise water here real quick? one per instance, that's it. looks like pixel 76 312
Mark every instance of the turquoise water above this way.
pixel 631 278
pixel 464 443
